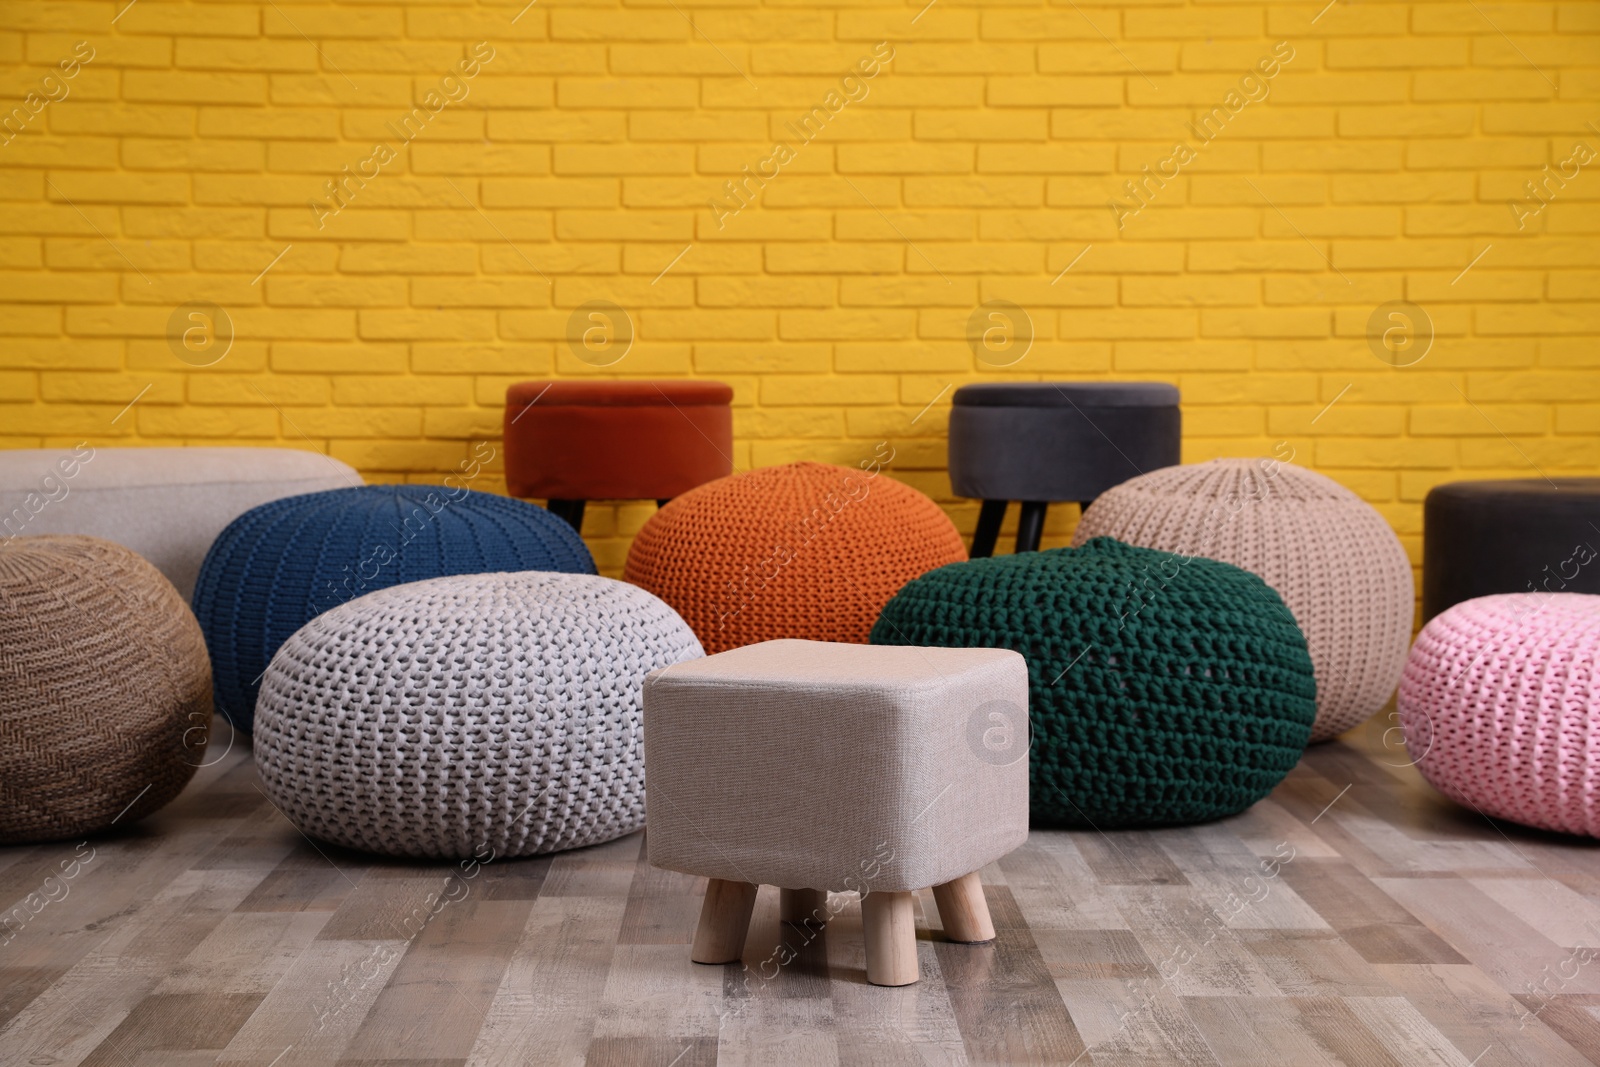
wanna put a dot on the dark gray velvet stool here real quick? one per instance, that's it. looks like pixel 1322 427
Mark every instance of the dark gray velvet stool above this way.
pixel 1514 536
pixel 1039 442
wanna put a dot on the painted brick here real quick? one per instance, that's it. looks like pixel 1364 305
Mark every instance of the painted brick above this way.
pixel 194 87
pixel 977 166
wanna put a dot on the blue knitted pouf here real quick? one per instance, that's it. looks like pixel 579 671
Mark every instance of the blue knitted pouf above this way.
pixel 278 566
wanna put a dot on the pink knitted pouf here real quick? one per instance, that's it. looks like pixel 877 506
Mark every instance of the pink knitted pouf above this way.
pixel 1500 705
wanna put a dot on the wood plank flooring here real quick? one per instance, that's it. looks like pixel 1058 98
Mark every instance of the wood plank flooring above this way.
pixel 1353 917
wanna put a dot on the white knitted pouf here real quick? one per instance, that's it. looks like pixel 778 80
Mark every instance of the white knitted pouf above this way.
pixel 1330 555
pixel 449 717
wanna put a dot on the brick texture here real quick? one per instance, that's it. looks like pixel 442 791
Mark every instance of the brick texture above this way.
pixel 399 206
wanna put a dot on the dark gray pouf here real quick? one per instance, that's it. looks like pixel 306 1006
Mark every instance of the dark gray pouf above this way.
pixel 1515 536
pixel 1039 442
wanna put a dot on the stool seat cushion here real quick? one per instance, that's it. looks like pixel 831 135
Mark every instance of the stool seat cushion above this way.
pixel 279 565
pixel 1051 441
pixel 806 550
pixel 105 692
pixel 1511 536
pixel 1332 557
pixel 1066 395
pixel 167 504
pixel 1500 707
pixel 817 765
pixel 616 440
pixel 1164 690
pixel 488 711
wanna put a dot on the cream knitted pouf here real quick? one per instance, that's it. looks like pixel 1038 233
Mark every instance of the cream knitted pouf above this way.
pixel 459 715
pixel 1329 554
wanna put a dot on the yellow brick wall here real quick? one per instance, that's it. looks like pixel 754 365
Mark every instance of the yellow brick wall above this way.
pixel 1373 152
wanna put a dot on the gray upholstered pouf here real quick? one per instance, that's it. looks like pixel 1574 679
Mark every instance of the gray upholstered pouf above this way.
pixel 449 717
pixel 167 504
pixel 818 765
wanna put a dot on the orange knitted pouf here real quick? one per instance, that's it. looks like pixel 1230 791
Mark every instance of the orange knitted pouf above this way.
pixel 807 550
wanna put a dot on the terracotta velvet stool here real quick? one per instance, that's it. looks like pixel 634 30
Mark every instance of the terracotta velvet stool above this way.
pixel 816 766
pixel 574 441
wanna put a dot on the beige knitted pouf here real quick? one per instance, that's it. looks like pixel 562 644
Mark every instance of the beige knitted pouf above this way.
pixel 105 689
pixel 1328 553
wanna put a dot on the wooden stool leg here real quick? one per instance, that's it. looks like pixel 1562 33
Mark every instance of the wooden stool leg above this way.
pixel 990 516
pixel 803 907
pixel 964 910
pixel 724 921
pixel 888 920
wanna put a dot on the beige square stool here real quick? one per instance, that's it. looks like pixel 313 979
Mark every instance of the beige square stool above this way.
pixel 815 766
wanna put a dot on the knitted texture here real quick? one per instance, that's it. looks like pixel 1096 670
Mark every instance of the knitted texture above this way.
pixel 1500 706
pixel 806 550
pixel 1328 553
pixel 1160 692
pixel 444 718
pixel 105 692
pixel 277 566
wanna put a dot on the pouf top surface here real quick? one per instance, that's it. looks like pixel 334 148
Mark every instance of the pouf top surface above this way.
pixel 615 393
pixel 797 664
pixel 1112 570
pixel 49 556
pixel 1520 618
pixel 1555 489
pixel 42 558
pixel 1163 689
pixel 401 532
pixel 1067 394
pixel 1241 478
pixel 476 641
pixel 531 593
pixel 137 468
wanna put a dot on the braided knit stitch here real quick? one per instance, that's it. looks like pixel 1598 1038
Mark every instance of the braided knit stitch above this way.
pixel 1500 706
pixel 806 550
pixel 105 692
pixel 441 718
pixel 1327 552
pixel 1160 691
pixel 279 565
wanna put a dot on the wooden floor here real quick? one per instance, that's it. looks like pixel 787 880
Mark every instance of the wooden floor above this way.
pixel 1394 928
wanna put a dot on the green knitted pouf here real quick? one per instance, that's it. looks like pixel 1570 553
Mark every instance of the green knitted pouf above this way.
pixel 1163 688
